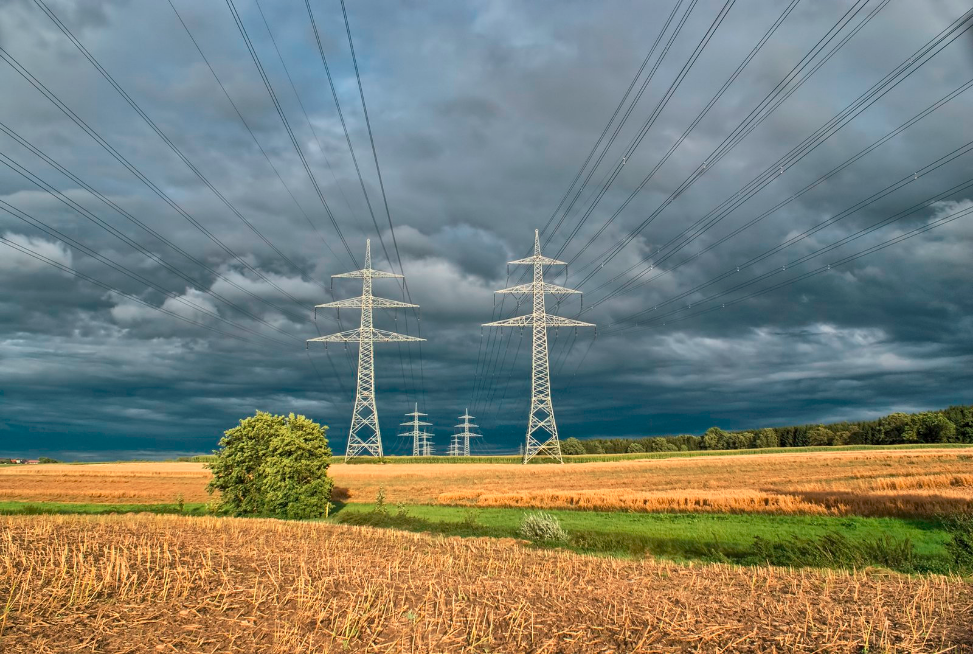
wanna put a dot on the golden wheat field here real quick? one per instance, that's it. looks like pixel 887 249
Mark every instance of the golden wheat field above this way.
pixel 142 583
pixel 871 483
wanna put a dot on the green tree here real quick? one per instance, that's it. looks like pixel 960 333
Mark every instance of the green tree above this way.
pixel 818 436
pixel 274 466
pixel 714 439
pixel 934 427
pixel 635 448
pixel 766 438
pixel 572 446
pixel 593 447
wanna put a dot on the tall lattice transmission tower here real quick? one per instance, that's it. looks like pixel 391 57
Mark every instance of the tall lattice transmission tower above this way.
pixel 365 435
pixel 461 439
pixel 421 439
pixel 541 426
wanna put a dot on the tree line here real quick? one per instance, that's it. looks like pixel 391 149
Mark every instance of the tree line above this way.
pixel 952 425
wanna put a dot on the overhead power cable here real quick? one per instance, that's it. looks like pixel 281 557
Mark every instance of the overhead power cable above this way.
pixel 650 120
pixel 135 221
pixel 938 197
pixel 307 118
pixel 145 117
pixel 892 79
pixel 47 93
pixel 760 112
pixel 88 215
pixel 56 264
pixel 956 215
pixel 631 285
pixel 250 131
pixel 287 127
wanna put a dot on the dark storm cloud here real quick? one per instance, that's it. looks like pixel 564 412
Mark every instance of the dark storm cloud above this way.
pixel 482 114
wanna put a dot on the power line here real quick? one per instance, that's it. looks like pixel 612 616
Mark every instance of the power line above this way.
pixel 47 93
pixel 56 264
pixel 822 269
pixel 85 213
pixel 249 130
pixel 738 133
pixel 94 62
pixel 307 118
pixel 630 285
pixel 131 218
pixel 287 127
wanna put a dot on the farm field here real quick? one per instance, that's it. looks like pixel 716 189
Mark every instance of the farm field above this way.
pixel 895 482
pixel 168 583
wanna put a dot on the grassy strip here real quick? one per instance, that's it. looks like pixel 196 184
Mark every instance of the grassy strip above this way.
pixel 799 541
pixel 68 508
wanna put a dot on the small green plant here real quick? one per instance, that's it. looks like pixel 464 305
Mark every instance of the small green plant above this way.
pixel 181 502
pixel 542 527
pixel 380 501
pixel 471 518
pixel 960 543
pixel 401 510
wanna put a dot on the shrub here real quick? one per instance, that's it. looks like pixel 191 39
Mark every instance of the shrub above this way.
pixel 960 544
pixel 273 466
pixel 542 527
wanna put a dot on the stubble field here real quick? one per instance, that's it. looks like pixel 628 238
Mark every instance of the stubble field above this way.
pixel 902 483
pixel 178 584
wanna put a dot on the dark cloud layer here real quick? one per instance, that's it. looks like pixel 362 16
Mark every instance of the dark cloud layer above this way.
pixel 482 114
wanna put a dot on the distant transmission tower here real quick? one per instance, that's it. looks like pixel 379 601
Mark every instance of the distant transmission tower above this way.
pixel 541 427
pixel 420 437
pixel 364 435
pixel 462 439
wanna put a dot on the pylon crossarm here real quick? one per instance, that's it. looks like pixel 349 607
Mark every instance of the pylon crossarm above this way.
pixel 382 336
pixel 517 321
pixel 536 258
pixel 524 289
pixel 358 302
pixel 367 272
pixel 414 422
pixel 558 321
pixel 350 336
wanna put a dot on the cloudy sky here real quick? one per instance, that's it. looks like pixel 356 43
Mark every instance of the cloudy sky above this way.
pixel 160 261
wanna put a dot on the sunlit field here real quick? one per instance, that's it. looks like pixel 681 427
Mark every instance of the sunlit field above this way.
pixel 168 583
pixel 906 483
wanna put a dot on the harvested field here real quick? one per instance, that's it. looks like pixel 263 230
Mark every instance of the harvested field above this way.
pixel 166 583
pixel 897 483
pixel 105 483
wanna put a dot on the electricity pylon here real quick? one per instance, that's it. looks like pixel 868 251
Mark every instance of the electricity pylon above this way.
pixel 541 426
pixel 365 435
pixel 420 437
pixel 464 436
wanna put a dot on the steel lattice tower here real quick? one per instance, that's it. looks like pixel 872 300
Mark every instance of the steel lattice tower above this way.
pixel 541 426
pixel 465 435
pixel 365 435
pixel 420 438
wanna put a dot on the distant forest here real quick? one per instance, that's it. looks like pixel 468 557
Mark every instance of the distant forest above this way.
pixel 952 425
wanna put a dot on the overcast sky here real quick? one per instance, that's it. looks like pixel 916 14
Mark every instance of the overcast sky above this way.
pixel 482 115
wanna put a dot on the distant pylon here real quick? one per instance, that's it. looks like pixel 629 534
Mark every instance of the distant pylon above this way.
pixel 541 426
pixel 462 439
pixel 420 437
pixel 365 435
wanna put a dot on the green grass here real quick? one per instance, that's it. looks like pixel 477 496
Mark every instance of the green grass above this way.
pixel 66 508
pixel 899 544
pixel 905 545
